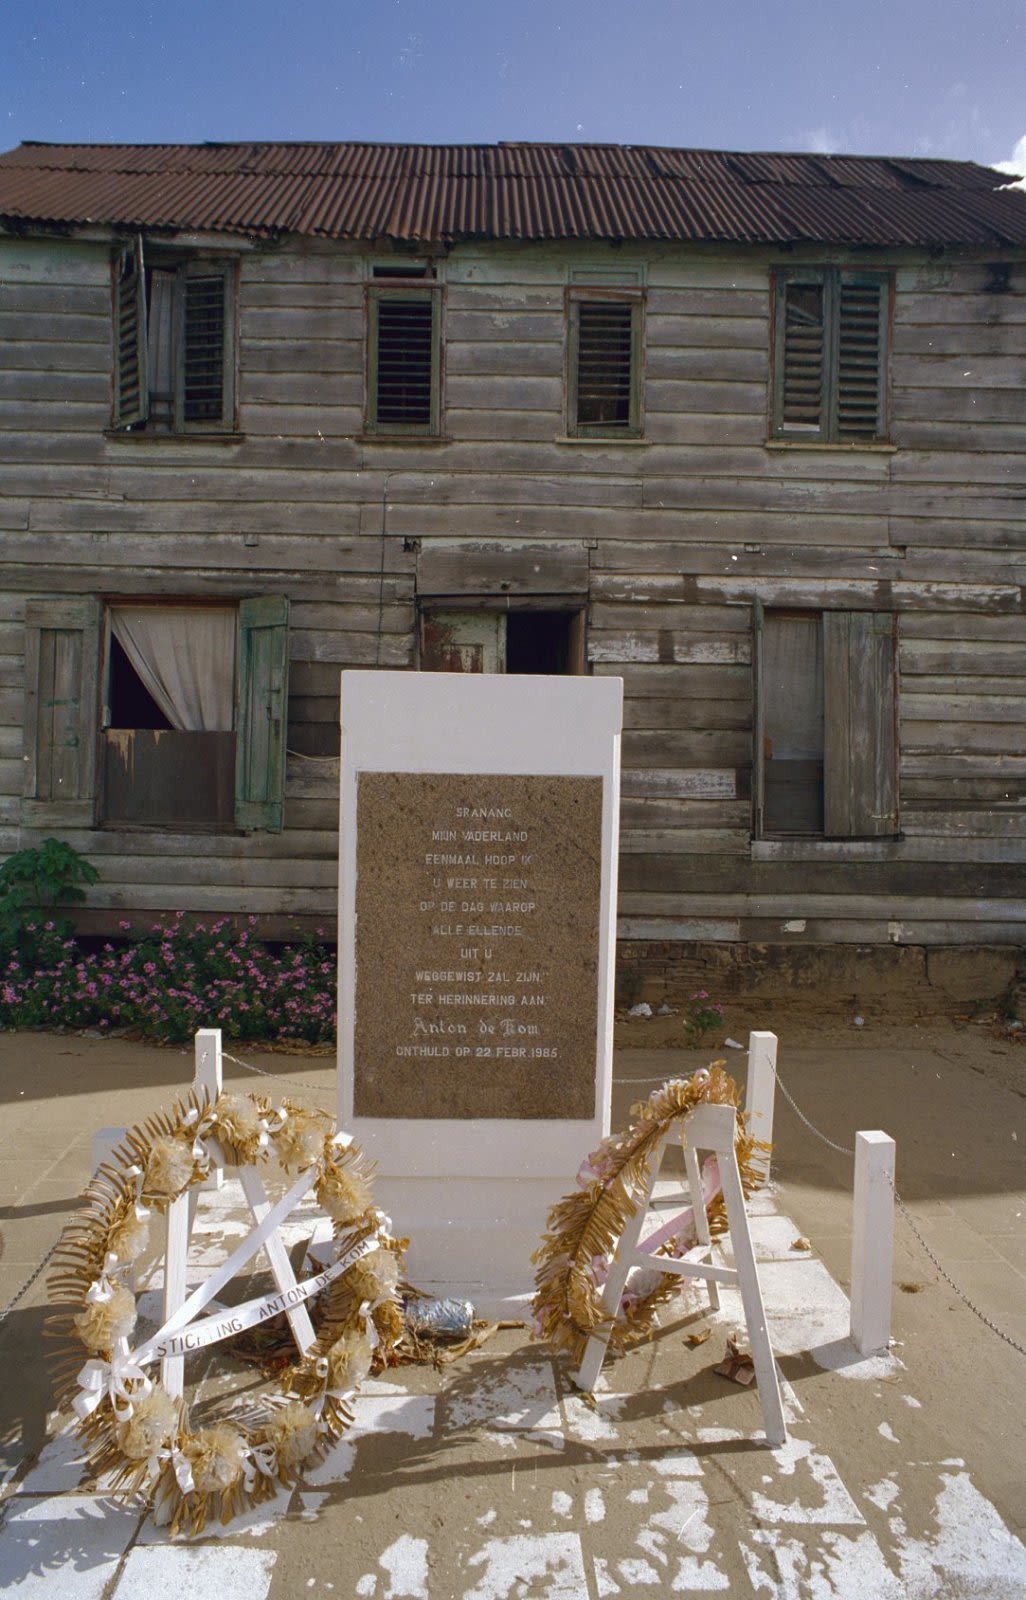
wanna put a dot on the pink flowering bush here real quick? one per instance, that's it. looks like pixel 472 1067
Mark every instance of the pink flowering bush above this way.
pixel 180 978
pixel 701 1016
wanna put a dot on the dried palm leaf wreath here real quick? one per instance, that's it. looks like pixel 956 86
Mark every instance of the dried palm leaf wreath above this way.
pixel 585 1227
pixel 131 1428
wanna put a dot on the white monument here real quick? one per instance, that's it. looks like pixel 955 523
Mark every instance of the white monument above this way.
pixel 477 895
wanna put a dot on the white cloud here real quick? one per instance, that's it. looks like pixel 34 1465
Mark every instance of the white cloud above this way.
pixel 821 141
pixel 1017 166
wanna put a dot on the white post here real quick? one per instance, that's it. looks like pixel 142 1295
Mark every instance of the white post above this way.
pixel 872 1242
pixel 209 1080
pixel 762 1084
pixel 176 1260
pixel 209 1076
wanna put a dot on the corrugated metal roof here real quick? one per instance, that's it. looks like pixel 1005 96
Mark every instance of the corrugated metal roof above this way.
pixel 434 193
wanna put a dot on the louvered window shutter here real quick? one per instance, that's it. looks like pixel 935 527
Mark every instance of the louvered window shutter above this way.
pixel 61 711
pixel 860 349
pixel 404 361
pixel 205 391
pixel 131 389
pixel 860 744
pixel 802 365
pixel 605 376
pixel 260 713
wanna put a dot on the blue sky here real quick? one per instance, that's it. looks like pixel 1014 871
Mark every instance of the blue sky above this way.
pixel 911 77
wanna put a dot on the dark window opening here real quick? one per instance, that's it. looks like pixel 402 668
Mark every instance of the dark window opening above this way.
pixel 604 366
pixel 204 336
pixel 405 270
pixel 403 354
pixel 130 702
pixel 538 642
pixel 405 347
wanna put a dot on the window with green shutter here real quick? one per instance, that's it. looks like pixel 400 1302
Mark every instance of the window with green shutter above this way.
pixel 168 713
pixel 830 355
pixel 174 342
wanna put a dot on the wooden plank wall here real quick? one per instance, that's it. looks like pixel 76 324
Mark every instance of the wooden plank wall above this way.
pixel 685 530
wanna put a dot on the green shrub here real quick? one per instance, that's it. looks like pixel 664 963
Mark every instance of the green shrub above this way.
pixel 32 883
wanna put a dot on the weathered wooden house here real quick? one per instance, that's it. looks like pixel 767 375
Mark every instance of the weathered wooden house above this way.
pixel 747 430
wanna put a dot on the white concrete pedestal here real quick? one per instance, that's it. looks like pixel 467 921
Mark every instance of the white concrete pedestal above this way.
pixel 473 1195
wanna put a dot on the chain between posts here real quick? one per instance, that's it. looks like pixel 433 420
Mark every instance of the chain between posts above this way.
pixel 26 1286
pixel 842 1149
pixel 907 1218
pixel 949 1280
pixel 278 1077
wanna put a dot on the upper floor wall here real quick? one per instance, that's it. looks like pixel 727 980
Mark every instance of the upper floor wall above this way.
pixel 704 361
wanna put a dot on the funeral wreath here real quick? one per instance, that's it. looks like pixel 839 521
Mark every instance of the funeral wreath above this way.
pixel 585 1227
pixel 137 1434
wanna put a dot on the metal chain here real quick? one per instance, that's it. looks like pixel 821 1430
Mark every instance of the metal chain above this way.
pixel 842 1149
pixel 907 1216
pixel 949 1280
pixel 278 1077
pixel 26 1286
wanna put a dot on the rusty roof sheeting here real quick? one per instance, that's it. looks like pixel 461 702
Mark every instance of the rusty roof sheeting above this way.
pixel 428 194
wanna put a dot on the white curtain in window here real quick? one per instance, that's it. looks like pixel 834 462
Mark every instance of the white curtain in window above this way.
pixel 160 348
pixel 185 655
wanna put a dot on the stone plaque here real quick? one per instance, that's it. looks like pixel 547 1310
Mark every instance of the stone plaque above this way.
pixel 477 940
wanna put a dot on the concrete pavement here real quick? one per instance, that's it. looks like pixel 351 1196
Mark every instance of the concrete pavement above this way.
pixel 492 1478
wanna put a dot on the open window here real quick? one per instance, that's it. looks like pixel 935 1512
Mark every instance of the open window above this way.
pixel 174 341
pixel 511 639
pixel 604 363
pixel 189 701
pixel 403 351
pixel 830 355
pixel 825 759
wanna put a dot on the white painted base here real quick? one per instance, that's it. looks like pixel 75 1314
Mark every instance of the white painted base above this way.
pixel 473 1239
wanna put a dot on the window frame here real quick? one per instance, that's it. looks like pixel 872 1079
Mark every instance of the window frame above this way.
pixel 861 751
pixel 131 315
pixel 578 294
pixel 66 664
pixel 832 279
pixel 481 622
pixel 420 287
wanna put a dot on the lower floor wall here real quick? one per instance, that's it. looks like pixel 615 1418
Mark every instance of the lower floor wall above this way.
pixel 920 978
pixel 924 847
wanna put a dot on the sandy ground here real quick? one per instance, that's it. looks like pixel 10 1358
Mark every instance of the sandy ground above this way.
pixel 492 1479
